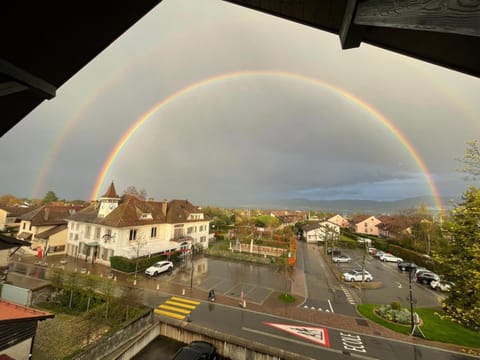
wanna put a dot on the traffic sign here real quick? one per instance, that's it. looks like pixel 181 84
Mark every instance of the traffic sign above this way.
pixel 317 335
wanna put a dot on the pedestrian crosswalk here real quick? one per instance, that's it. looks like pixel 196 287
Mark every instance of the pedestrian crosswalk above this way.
pixel 177 307
pixel 348 295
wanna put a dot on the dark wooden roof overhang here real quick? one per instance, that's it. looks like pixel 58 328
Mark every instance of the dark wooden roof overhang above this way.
pixel 445 33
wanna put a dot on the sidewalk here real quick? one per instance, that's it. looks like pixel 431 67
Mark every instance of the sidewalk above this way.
pixel 270 306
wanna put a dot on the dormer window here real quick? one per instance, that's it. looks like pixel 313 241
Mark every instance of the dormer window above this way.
pixel 146 216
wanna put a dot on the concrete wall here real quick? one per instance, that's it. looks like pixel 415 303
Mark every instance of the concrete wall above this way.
pixel 124 343
pixel 128 342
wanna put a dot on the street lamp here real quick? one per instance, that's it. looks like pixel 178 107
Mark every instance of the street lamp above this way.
pixel 413 324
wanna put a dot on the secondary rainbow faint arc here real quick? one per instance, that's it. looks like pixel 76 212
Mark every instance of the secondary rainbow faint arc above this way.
pixel 99 184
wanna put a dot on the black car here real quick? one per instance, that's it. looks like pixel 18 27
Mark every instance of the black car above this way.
pixel 426 277
pixel 406 266
pixel 197 350
pixel 331 251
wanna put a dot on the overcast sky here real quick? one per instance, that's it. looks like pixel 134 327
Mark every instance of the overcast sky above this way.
pixel 245 139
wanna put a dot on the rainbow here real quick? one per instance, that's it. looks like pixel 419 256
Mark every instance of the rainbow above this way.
pixel 100 182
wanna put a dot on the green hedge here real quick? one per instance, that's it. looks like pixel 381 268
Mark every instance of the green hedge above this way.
pixel 124 264
pixel 413 256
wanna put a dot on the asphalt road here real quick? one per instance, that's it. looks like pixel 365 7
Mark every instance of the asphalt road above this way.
pixel 309 339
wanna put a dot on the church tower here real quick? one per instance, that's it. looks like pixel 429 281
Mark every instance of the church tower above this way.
pixel 108 202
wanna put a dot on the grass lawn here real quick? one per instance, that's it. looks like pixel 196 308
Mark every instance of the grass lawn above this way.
pixel 433 327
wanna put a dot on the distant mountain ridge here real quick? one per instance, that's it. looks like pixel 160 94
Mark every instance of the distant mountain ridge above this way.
pixel 358 206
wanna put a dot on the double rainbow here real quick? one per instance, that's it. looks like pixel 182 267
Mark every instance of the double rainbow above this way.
pixel 100 182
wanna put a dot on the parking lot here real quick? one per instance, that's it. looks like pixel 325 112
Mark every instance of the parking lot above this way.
pixel 395 283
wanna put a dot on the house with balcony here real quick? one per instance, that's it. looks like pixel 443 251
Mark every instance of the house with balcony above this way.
pixel 10 217
pixel 130 227
pixel 46 227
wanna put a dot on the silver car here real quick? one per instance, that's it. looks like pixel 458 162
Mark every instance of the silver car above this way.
pixel 341 259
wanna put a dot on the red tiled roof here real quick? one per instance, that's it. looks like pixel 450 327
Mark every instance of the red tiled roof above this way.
pixel 10 311
pixel 51 215
pixel 130 209
pixel 111 192
pixel 56 229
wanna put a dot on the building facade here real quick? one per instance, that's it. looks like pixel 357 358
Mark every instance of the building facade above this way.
pixel 133 228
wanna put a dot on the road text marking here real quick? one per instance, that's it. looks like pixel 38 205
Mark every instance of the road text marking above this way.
pixel 352 342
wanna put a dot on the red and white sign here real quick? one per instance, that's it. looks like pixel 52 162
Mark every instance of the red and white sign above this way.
pixel 317 335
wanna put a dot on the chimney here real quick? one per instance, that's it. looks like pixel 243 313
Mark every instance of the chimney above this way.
pixel 45 214
pixel 164 207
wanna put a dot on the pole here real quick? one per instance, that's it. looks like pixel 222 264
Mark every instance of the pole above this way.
pixel 191 273
pixel 412 321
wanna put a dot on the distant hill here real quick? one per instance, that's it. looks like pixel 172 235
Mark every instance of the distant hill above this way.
pixel 356 206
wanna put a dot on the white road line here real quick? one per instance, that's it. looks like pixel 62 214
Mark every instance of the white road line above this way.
pixel 330 304
pixel 307 344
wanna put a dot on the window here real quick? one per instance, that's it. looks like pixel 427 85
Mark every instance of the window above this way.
pixel 97 233
pixel 153 233
pixel 203 239
pixel 190 230
pixel 133 234
pixel 178 233
pixel 76 226
pixel 87 231
pixel 24 225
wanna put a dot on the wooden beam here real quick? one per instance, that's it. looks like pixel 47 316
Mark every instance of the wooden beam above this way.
pixel 40 86
pixel 445 16
pixel 350 33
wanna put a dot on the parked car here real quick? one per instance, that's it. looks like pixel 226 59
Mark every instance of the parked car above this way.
pixel 379 253
pixel 356 275
pixel 420 269
pixel 372 250
pixel 426 277
pixel 406 266
pixel 334 251
pixel 341 259
pixel 441 285
pixel 390 258
pixel 197 350
pixel 159 267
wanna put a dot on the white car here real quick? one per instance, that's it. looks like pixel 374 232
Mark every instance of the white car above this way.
pixel 356 275
pixel 390 258
pixel 341 259
pixel 440 285
pixel 159 267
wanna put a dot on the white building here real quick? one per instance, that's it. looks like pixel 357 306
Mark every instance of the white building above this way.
pixel 321 231
pixel 133 228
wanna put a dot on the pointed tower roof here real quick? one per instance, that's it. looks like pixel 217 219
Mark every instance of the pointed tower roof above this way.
pixel 111 192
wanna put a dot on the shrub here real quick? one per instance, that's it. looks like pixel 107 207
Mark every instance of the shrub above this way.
pixel 401 316
pixel 395 305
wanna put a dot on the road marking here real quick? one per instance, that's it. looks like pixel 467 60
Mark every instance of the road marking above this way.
pixel 347 294
pixel 318 335
pixel 172 308
pixel 179 304
pixel 177 307
pixel 170 314
pixel 330 304
pixel 398 284
pixel 188 301
pixel 352 342
pixel 338 351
